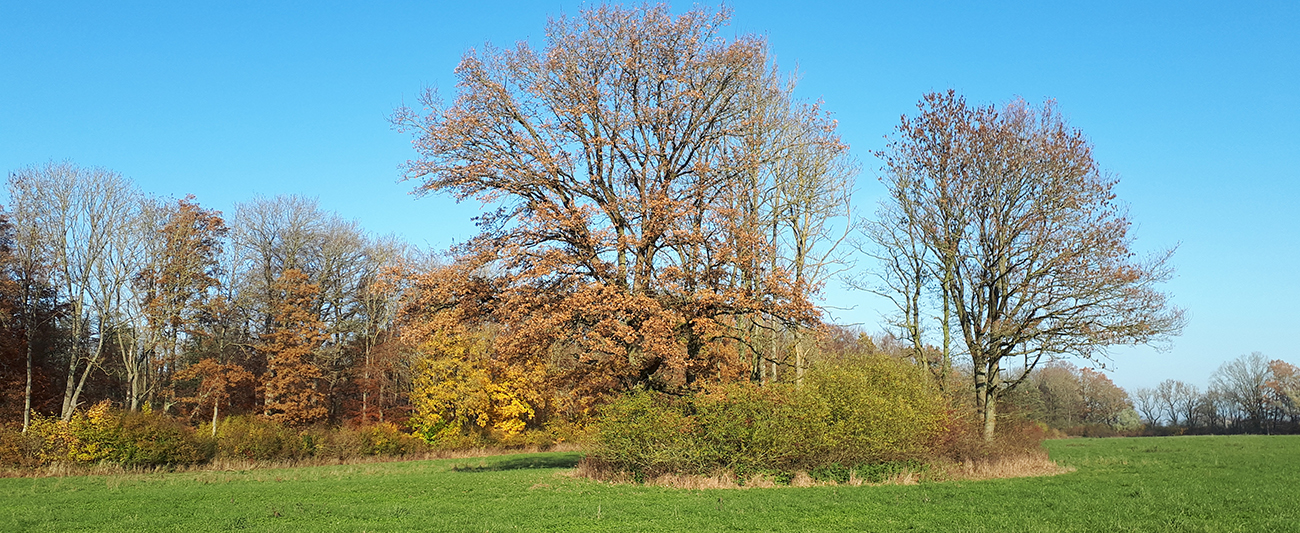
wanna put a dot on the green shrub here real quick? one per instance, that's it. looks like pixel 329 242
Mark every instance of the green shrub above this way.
pixel 259 438
pixel 831 472
pixel 647 432
pixel 149 439
pixel 882 472
pixel 871 411
pixel 387 439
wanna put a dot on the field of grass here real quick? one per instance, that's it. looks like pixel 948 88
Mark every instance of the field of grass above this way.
pixel 1236 483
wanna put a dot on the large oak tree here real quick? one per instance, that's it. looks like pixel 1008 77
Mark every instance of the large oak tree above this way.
pixel 620 163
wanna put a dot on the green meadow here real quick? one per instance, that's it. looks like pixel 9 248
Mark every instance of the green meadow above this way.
pixel 1220 483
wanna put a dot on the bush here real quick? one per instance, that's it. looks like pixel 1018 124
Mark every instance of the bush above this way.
pixel 259 438
pixel 18 448
pixel 386 439
pixel 148 439
pixel 871 411
pixel 102 434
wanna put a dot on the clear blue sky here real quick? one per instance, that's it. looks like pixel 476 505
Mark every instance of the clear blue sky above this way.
pixel 1194 105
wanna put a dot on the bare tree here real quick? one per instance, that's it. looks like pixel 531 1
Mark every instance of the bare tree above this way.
pixel 1147 403
pixel 1178 400
pixel 1242 382
pixel 1023 233
pixel 85 218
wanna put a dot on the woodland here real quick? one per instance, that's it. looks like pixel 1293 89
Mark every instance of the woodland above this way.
pixel 661 213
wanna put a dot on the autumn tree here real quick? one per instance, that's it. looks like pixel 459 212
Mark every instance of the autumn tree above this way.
pixel 176 286
pixel 1019 236
pixel 618 161
pixel 291 384
pixel 274 235
pixel 1104 402
pixel 1283 386
pixel 215 385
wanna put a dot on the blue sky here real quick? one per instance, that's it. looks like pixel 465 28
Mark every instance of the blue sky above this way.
pixel 1194 105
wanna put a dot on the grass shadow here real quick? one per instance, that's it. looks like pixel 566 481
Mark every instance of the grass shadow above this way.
pixel 566 460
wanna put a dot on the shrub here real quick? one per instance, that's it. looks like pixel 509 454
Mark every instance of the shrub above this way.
pixel 259 438
pixel 647 432
pixel 149 439
pixel 869 411
pixel 882 472
pixel 103 434
pixel 386 439
pixel 18 448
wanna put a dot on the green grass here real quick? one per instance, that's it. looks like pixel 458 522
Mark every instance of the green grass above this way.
pixel 1239 483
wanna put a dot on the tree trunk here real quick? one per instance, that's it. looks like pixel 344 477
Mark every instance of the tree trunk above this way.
pixel 27 391
pixel 986 389
pixel 69 386
pixel 990 418
pixel 798 358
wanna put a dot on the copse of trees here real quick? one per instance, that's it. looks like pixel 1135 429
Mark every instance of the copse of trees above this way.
pixel 661 212
pixel 163 305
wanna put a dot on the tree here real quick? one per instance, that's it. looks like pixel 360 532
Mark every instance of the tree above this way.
pixel 86 221
pixel 1284 388
pixel 216 382
pixel 30 267
pixel 292 392
pixel 1178 400
pixel 619 161
pixel 177 285
pixel 1021 235
pixel 1104 401
pixel 1243 382
pixel 1147 404
pixel 1063 401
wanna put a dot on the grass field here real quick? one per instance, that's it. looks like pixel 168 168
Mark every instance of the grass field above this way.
pixel 1237 483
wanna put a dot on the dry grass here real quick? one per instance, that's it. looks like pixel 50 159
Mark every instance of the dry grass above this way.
pixel 1028 465
pixel 231 464
pixel 1031 464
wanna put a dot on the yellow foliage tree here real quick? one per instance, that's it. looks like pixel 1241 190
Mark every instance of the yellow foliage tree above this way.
pixel 462 395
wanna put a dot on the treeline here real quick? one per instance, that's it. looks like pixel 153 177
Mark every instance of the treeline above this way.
pixel 1250 394
pixel 283 309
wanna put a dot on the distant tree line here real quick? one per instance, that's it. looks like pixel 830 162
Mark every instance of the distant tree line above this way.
pixel 1250 394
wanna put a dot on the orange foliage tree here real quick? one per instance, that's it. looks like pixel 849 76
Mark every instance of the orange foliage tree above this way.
pixel 617 160
pixel 216 383
pixel 291 388
pixel 177 286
